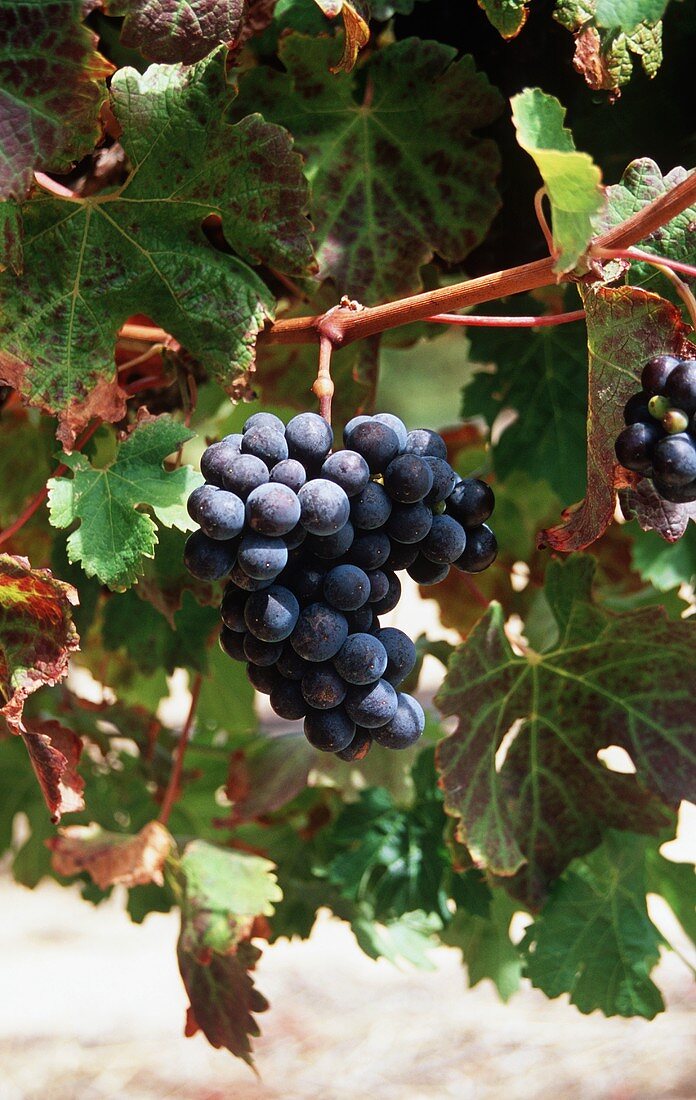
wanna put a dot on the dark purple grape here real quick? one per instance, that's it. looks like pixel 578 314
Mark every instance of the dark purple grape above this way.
pixel 261 653
pixel 676 494
pixel 408 479
pixel 471 502
pixel 656 372
pixel 323 688
pixel 377 443
pixel 265 442
pixel 287 700
pixel 480 551
pixel 232 643
pixel 409 522
pixel 424 442
pixel 681 386
pixel 289 472
pixel 291 665
pixel 674 460
pixel 396 425
pixel 371 706
pixel 370 550
pixel 444 480
pixel 272 509
pixel 348 469
pixel 379 585
pixel 296 537
pixel 271 615
pixel 391 597
pixel 445 542
pixel 262 557
pixel 309 439
pixel 320 632
pixel 346 587
pixel 636 408
pixel 232 608
pixel 218 513
pixel 634 446
pixel 248 584
pixel 329 547
pixel 307 583
pixel 401 555
pixel 325 508
pixel 216 460
pixel 371 508
pixel 264 420
pixel 404 729
pixel 265 678
pixel 427 572
pixel 361 659
pixel 209 559
pixel 358 748
pixel 245 474
pixel 360 621
pixel 362 419
pixel 329 730
pixel 401 654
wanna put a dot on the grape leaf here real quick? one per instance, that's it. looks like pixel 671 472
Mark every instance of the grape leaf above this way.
pixel 572 179
pixel 226 701
pixel 268 774
pixel 54 752
pixel 643 503
pixel 608 34
pixel 37 634
pixel 91 263
pixel 663 564
pixel 166 580
pixel 542 377
pixel 594 939
pixel 169 30
pixel 223 893
pixel 409 938
pixel 113 535
pixel 676 883
pixel 112 859
pixel 51 90
pixel 152 642
pixel 625 327
pixel 521 771
pixel 626 15
pixel 507 16
pixel 355 18
pixel 396 177
pixel 486 947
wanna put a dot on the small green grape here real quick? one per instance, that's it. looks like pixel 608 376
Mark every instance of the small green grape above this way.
pixel 658 406
pixel 675 421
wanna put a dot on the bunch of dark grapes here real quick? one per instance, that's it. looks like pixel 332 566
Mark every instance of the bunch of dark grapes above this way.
pixel 312 542
pixel 659 441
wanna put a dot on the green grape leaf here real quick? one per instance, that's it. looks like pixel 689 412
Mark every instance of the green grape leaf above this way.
pixel 152 642
pixel 51 90
pixel 165 581
pixel 54 751
pixel 396 177
pixel 594 939
pixel 609 34
pixel 224 891
pixel 11 236
pixel 676 883
pixel 542 377
pixel 355 16
pixel 507 16
pixel 486 947
pixel 92 263
pixel 409 938
pixel 166 30
pixel 112 859
pixel 113 535
pixel 665 565
pixel 572 179
pixel 37 634
pixel 226 701
pixel 521 771
pixel 625 327
pixel 626 15
pixel 267 774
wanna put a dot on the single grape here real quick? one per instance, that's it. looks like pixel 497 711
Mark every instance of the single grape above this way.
pixel 234 439
pixel 264 420
pixel 427 572
pixel 346 587
pixel 409 522
pixel 445 541
pixel 391 598
pixel 480 551
pixel 216 460
pixel 296 537
pixel 372 705
pixel 401 654
pixel 681 386
pixel 635 444
pixel 265 442
pixel 272 509
pixel 323 688
pixel 348 469
pixel 637 408
pixel 209 559
pixel 329 730
pixel 328 547
pixel 379 585
pixel 244 475
pixel 370 550
pixel 232 608
pixel 401 556
pixel 289 472
pixel 265 678
pixel 262 557
pixel 353 424
pixel 408 478
pixel 360 621
pixel 218 513
pixel 377 443
pixel 674 460
pixel 656 372
pixel 676 494
pixel 232 643
pixel 471 502
pixel 444 480
pixel 261 653
pixel 320 632
pixel 324 507
pixel 359 746
pixel 307 582
pixel 249 584
pixel 396 425
pixel 309 439
pixel 404 729
pixel 371 508
pixel 675 421
pixel 287 700
pixel 291 665
pixel 271 615
pixel 658 406
pixel 424 442
pixel 361 659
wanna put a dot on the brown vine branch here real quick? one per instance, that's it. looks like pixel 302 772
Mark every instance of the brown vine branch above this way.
pixel 174 786
pixel 477 320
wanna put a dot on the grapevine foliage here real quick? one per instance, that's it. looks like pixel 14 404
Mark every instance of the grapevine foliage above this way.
pixel 166 230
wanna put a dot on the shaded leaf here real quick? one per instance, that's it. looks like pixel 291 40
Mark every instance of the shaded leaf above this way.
pixel 663 564
pixel 507 16
pixel 396 177
pixel 112 859
pixel 625 327
pixel 168 30
pixel 643 503
pixel 521 771
pixel 51 90
pixel 572 180
pixel 113 534
pixel 676 883
pixel 609 34
pixel 355 18
pixel 37 634
pixel 152 642
pixel 409 938
pixel 594 939
pixel 92 263
pixel 268 774
pixel 54 752
pixel 486 947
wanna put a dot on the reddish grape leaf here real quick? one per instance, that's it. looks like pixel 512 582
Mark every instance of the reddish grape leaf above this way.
pixel 643 503
pixel 625 327
pixel 521 771
pixel 92 263
pixel 178 30
pixel 610 35
pixel 112 859
pixel 396 171
pixel 266 775
pixel 37 634
pixel 55 751
pixel 225 894
pixel 51 90
pixel 356 28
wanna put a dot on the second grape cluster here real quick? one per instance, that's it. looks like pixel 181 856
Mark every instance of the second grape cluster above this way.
pixel 312 541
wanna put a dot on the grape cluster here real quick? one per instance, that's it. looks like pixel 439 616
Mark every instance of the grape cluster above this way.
pixel 659 441
pixel 312 541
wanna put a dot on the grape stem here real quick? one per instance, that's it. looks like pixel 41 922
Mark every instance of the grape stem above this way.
pixel 477 320
pixel 174 786
pixel 323 387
